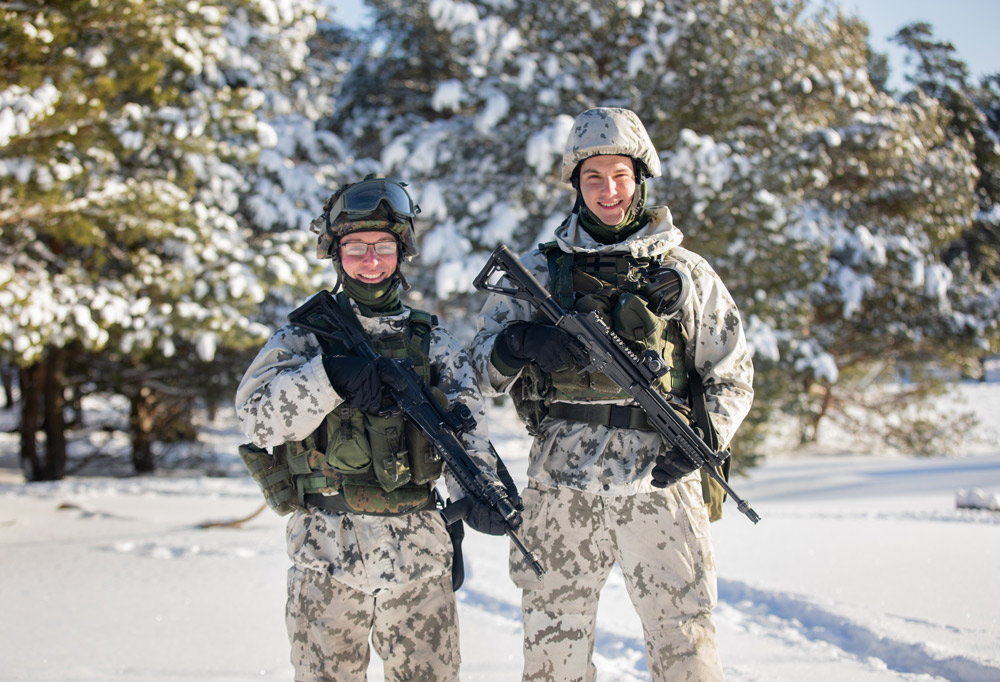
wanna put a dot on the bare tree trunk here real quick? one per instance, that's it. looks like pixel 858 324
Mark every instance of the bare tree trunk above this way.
pixel 31 419
pixel 7 375
pixel 43 387
pixel 55 417
pixel 142 420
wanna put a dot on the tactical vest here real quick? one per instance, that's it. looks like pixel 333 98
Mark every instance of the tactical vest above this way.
pixel 376 465
pixel 615 287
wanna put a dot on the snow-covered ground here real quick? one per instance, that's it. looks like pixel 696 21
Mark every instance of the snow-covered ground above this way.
pixel 864 568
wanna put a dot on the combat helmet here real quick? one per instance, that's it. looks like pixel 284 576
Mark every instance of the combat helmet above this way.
pixel 609 131
pixel 371 204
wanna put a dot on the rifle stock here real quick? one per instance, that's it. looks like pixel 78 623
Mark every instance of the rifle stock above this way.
pixel 323 316
pixel 601 350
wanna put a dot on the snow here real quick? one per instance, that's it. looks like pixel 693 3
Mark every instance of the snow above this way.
pixel 447 95
pixel 864 567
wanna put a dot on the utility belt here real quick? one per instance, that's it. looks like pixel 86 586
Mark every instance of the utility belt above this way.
pixel 612 416
pixel 289 482
pixel 372 500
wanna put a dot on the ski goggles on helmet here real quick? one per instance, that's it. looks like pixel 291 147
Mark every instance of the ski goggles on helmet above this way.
pixel 363 198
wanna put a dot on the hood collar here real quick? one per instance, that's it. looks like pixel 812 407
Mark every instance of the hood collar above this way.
pixel 655 239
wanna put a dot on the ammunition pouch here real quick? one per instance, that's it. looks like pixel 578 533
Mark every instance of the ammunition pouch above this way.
pixel 272 476
pixel 297 478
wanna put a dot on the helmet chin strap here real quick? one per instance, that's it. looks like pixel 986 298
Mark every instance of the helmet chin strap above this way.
pixel 639 195
pixel 402 280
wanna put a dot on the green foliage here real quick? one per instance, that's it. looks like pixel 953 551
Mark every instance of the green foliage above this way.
pixel 131 134
pixel 972 115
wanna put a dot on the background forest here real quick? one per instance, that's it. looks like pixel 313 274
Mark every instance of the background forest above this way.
pixel 160 162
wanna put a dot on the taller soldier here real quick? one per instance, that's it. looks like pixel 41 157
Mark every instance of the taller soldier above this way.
pixel 603 486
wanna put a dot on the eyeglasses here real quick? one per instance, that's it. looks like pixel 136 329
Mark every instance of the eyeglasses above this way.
pixel 361 199
pixel 360 249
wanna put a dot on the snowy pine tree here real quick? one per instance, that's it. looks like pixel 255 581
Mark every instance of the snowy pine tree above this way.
pixel 825 204
pixel 136 155
pixel 161 161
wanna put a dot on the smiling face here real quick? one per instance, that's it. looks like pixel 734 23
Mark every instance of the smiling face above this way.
pixel 607 184
pixel 371 267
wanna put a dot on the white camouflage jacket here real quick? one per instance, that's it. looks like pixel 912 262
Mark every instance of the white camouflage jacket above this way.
pixel 285 394
pixel 610 461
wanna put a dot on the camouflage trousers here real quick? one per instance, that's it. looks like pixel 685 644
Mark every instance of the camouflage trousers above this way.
pixel 661 541
pixel 413 629
pixel 385 578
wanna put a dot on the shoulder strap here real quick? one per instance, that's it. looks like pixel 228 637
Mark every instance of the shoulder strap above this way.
pixel 421 323
pixel 699 405
pixel 560 273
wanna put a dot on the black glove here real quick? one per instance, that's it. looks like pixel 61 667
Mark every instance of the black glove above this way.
pixel 545 344
pixel 671 467
pixel 357 381
pixel 484 518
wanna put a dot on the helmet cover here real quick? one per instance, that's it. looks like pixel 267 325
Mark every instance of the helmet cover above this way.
pixel 608 131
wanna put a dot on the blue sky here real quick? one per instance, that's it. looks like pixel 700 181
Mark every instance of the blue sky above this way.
pixel 971 26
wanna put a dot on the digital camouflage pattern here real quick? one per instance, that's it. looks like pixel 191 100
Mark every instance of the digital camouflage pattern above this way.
pixel 607 461
pixel 389 567
pixel 608 130
pixel 590 500
pixel 331 624
pixel 671 591
pixel 333 606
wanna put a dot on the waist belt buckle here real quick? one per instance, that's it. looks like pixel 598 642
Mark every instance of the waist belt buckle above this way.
pixel 620 417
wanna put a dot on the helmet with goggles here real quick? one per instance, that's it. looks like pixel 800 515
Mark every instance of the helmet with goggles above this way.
pixel 372 204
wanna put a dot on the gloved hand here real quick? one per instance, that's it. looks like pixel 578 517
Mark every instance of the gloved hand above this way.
pixel 356 380
pixel 671 467
pixel 545 344
pixel 484 518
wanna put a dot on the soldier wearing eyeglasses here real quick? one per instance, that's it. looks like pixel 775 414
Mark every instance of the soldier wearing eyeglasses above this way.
pixel 372 559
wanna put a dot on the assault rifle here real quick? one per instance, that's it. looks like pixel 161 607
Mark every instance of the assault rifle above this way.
pixel 324 317
pixel 601 350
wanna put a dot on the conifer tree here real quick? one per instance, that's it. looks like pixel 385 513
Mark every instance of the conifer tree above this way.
pixel 130 136
pixel 824 203
pixel 972 113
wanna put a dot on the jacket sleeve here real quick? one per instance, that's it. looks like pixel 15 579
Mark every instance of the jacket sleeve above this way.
pixel 717 347
pixel 285 393
pixel 456 378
